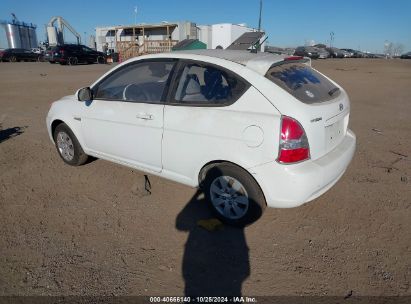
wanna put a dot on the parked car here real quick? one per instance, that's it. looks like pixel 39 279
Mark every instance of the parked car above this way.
pixel 320 46
pixel 73 54
pixel 48 54
pixel 370 55
pixel 323 53
pixel 346 54
pixel 249 129
pixel 335 53
pixel 307 51
pixel 406 56
pixel 14 55
pixel 354 53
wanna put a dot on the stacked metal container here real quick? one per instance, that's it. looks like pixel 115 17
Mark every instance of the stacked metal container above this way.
pixel 20 35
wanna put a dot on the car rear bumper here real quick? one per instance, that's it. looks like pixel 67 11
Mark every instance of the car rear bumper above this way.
pixel 287 186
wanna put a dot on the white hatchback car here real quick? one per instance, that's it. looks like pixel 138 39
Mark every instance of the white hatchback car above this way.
pixel 250 129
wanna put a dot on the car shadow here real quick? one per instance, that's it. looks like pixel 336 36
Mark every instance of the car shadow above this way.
pixel 9 133
pixel 214 263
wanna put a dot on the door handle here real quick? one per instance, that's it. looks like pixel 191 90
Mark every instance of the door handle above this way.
pixel 145 116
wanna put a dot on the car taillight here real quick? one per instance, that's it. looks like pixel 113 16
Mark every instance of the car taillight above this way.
pixel 62 52
pixel 293 142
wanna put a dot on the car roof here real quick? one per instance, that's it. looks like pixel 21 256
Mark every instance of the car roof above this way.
pixel 259 62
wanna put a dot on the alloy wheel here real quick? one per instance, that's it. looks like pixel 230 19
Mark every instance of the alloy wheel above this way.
pixel 229 197
pixel 65 146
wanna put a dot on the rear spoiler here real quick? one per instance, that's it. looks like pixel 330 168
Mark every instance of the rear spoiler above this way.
pixel 295 59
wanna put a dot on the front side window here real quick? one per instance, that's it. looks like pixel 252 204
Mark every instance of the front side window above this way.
pixel 136 82
pixel 202 84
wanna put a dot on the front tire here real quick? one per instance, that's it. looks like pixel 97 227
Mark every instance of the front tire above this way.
pixel 234 195
pixel 68 147
pixel 101 60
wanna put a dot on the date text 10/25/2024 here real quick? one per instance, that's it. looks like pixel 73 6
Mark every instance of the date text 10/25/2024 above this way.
pixel 203 300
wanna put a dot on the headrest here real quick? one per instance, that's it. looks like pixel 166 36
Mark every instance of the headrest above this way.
pixel 212 76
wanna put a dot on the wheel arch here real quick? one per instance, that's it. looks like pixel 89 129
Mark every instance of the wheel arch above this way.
pixel 58 121
pixel 54 125
pixel 211 164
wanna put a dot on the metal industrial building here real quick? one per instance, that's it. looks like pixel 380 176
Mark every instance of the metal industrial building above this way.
pixel 20 35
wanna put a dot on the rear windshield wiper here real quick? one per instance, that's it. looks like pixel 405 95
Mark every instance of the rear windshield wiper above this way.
pixel 332 91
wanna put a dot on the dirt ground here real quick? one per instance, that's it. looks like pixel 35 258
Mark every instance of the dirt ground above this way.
pixel 93 230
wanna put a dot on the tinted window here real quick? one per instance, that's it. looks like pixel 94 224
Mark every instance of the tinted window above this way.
pixel 86 49
pixel 71 47
pixel 201 84
pixel 303 82
pixel 139 82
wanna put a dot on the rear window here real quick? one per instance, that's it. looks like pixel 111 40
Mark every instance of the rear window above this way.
pixel 303 82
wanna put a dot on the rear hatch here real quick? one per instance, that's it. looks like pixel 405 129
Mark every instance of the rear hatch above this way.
pixel 322 106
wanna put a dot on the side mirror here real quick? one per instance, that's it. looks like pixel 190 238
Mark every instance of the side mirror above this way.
pixel 84 94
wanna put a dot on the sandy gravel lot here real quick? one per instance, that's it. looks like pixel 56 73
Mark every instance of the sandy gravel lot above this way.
pixel 93 230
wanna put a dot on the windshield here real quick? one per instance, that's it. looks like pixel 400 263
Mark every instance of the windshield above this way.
pixel 303 82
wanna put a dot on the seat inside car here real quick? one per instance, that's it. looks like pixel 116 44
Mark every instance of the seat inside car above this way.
pixel 214 88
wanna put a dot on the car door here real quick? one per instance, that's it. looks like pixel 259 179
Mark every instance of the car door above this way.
pixel 124 121
pixel 205 119
pixel 87 54
pixel 28 55
pixel 76 51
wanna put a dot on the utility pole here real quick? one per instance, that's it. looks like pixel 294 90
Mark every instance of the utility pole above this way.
pixel 259 20
pixel 135 14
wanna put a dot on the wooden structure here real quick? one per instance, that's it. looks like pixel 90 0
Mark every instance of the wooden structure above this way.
pixel 140 39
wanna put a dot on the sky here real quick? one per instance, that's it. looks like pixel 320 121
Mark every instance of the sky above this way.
pixel 359 24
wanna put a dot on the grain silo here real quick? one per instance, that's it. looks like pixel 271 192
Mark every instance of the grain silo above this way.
pixel 13 35
pixel 20 34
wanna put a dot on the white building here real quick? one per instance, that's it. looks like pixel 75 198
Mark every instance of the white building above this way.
pixel 214 36
pixel 162 31
pixel 221 35
pixel 105 35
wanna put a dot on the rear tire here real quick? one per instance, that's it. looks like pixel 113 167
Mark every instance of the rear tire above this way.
pixel 234 195
pixel 68 147
pixel 73 61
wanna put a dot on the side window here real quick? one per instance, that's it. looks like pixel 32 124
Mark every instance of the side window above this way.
pixel 202 84
pixel 86 49
pixel 138 82
pixel 71 48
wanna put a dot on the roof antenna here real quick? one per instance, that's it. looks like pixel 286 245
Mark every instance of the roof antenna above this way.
pixel 259 20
